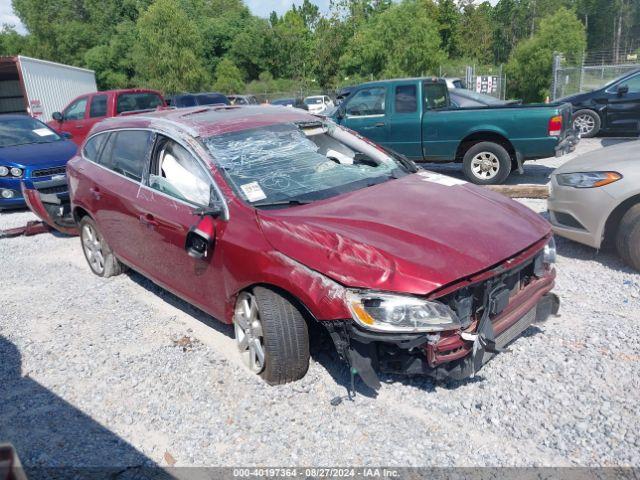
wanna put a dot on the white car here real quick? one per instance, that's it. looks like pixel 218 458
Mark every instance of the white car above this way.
pixel 454 82
pixel 318 104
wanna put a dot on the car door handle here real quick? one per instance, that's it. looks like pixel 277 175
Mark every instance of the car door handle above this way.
pixel 79 126
pixel 148 221
pixel 96 193
pixel 379 124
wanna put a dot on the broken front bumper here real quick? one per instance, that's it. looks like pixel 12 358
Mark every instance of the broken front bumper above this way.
pixel 452 354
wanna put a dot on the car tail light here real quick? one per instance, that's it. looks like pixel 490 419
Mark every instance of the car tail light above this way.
pixel 555 126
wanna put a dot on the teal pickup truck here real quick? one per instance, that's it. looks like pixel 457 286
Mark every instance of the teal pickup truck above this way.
pixel 415 117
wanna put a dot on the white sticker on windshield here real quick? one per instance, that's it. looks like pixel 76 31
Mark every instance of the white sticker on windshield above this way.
pixel 43 132
pixel 441 179
pixel 253 191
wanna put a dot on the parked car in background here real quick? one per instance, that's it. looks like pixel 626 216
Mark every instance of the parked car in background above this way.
pixel 39 87
pixel 415 117
pixel 455 83
pixel 614 108
pixel 318 103
pixel 290 102
pixel 595 199
pixel 84 112
pixel 269 218
pixel 184 100
pixel 32 153
pixel 243 100
pixel 462 98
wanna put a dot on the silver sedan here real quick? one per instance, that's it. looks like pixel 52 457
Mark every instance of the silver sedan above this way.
pixel 595 199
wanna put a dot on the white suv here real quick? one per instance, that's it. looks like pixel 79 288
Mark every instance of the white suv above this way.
pixel 318 103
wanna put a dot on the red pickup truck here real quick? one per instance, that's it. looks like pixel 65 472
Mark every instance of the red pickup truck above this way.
pixel 85 111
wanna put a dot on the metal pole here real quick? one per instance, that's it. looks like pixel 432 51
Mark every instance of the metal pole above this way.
pixel 581 73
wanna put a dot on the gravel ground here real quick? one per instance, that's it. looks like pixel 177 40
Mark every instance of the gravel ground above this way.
pixel 119 372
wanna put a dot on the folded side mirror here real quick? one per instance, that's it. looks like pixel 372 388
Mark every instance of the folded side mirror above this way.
pixel 57 116
pixel 623 90
pixel 200 238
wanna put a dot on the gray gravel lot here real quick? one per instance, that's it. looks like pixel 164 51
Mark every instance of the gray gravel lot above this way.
pixel 119 372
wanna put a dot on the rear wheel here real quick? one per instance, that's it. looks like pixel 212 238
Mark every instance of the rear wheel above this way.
pixel 271 335
pixel 487 163
pixel 587 123
pixel 99 256
pixel 628 237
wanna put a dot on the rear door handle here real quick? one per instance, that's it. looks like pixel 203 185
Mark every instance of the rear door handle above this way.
pixel 148 221
pixel 96 193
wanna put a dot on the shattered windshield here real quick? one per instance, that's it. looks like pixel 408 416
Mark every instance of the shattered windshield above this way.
pixel 287 163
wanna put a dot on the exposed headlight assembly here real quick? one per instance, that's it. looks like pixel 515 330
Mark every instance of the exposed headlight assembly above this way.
pixel 587 179
pixel 16 172
pixel 390 313
pixel 550 254
pixel 4 171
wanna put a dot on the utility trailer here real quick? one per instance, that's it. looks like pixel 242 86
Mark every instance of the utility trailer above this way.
pixel 39 87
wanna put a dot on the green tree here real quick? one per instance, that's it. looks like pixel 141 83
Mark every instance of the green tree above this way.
pixel 291 48
pixel 251 49
pixel 449 19
pixel 402 40
pixel 168 52
pixel 228 77
pixel 530 67
pixel 476 33
pixel 11 42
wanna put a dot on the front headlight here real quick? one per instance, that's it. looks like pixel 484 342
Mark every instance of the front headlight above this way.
pixel 550 253
pixel 587 179
pixel 16 172
pixel 4 171
pixel 384 312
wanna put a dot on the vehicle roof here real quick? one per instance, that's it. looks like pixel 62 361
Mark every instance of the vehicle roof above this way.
pixel 206 121
pixel 394 80
pixel 126 90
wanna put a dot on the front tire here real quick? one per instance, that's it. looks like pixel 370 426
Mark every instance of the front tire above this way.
pixel 628 237
pixel 587 123
pixel 271 335
pixel 486 163
pixel 96 251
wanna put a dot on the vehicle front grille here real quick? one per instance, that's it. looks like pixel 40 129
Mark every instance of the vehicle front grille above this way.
pixel 47 172
pixel 48 190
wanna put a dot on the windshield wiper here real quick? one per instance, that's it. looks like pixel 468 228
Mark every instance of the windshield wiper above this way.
pixel 281 202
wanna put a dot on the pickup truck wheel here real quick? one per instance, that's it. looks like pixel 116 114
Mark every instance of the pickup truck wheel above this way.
pixel 486 163
pixel 628 237
pixel 99 256
pixel 587 123
pixel 271 335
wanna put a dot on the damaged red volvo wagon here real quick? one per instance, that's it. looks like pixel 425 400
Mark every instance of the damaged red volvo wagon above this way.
pixel 271 218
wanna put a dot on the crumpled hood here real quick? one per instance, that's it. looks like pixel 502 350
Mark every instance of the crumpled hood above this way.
pixel 409 235
pixel 39 155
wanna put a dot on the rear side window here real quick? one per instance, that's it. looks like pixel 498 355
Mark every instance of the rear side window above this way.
pixel 436 96
pixel 93 147
pixel 406 99
pixel 126 153
pixel 98 107
pixel 129 102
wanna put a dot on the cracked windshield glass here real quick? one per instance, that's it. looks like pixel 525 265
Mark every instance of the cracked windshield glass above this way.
pixel 285 163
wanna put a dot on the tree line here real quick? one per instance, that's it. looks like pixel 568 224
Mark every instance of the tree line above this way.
pixel 196 45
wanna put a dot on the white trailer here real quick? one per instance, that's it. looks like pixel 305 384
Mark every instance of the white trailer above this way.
pixel 39 87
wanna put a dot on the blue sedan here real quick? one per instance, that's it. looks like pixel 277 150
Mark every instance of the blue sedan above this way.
pixel 31 152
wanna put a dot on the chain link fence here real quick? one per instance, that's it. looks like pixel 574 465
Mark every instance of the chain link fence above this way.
pixel 572 79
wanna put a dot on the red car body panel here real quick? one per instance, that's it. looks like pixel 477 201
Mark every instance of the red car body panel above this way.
pixel 79 129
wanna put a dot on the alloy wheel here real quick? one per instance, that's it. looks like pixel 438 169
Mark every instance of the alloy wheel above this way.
pixel 584 124
pixel 248 332
pixel 92 246
pixel 485 165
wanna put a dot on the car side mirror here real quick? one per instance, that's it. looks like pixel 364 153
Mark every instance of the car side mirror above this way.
pixel 202 235
pixel 623 90
pixel 341 112
pixel 57 116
